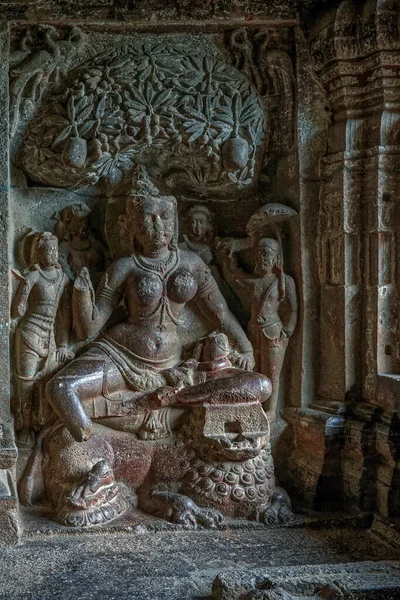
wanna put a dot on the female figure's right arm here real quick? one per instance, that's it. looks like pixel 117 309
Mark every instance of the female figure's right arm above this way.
pixel 91 311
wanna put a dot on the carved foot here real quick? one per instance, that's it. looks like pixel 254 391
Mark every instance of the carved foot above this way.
pixel 111 509
pixel 97 499
pixel 279 511
pixel 181 510
pixel 155 426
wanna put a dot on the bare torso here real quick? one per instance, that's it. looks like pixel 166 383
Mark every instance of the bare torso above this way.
pixel 42 293
pixel 155 300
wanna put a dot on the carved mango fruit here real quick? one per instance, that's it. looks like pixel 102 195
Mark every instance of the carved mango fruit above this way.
pixel 95 149
pixel 235 153
pixel 75 152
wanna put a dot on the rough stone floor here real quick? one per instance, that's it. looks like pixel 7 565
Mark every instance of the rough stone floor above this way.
pixel 128 563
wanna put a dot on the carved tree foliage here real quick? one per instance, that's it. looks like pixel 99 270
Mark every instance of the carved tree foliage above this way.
pixel 181 110
pixel 43 56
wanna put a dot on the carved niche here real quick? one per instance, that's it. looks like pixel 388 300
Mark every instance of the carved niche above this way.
pixel 134 126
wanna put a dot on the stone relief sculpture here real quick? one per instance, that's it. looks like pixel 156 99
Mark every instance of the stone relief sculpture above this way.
pixel 139 417
pixel 267 293
pixel 136 368
pixel 41 299
pixel 40 59
pixel 78 247
pixel 230 118
pixel 183 112
pixel 271 71
pixel 199 236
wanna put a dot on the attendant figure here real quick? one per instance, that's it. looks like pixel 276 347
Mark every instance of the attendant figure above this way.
pixel 78 246
pixel 199 236
pixel 269 295
pixel 41 300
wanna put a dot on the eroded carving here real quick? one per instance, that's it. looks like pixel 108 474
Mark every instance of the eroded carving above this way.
pixel 41 297
pixel 43 56
pixel 192 118
pixel 246 586
pixel 78 246
pixel 135 369
pixel 199 237
pixel 259 56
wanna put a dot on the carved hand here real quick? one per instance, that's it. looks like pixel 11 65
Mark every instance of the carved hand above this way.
pixel 18 275
pixel 63 354
pixel 226 246
pixel 161 397
pixel 286 333
pixel 244 361
pixel 13 325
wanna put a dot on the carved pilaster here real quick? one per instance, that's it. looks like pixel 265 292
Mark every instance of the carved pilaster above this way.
pixel 356 50
pixel 358 251
pixel 9 526
pixel 312 124
pixel 339 247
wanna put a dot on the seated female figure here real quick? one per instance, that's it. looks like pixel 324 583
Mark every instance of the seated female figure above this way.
pixel 137 364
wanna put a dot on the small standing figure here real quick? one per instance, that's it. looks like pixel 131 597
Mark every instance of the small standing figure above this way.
pixel 200 233
pixel 200 238
pixel 42 295
pixel 78 247
pixel 270 297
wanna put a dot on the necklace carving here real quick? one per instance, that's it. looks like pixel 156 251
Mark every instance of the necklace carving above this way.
pixel 51 279
pixel 160 266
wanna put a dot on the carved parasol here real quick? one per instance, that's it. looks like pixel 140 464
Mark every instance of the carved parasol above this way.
pixel 274 214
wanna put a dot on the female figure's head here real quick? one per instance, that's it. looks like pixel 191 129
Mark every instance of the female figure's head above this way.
pixel 200 226
pixel 152 219
pixel 73 222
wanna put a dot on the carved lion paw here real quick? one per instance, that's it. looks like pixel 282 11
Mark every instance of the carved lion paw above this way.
pixel 279 511
pixel 190 515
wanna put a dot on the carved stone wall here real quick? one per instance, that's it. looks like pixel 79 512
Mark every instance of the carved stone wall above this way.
pixel 210 116
pixel 278 131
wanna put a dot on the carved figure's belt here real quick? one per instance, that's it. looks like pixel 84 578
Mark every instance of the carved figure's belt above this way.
pixel 35 321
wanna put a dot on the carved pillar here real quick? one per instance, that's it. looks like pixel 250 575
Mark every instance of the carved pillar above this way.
pixel 359 243
pixel 311 474
pixel 340 246
pixel 386 255
pixel 9 528
pixel 312 122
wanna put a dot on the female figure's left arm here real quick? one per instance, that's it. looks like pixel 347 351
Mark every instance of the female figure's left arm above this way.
pixel 213 305
pixel 64 323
